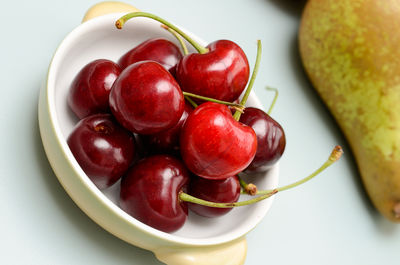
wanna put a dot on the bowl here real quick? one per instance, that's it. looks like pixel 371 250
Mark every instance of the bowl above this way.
pixel 95 39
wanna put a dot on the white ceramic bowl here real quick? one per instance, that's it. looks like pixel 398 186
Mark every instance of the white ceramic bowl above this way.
pixel 95 39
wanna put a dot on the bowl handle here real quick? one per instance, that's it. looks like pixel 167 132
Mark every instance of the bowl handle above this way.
pixel 231 253
pixel 107 7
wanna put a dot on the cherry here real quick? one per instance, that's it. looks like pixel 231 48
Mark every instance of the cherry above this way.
pixel 149 192
pixel 160 50
pixel 167 141
pixel 102 148
pixel 220 71
pixel 214 145
pixel 220 190
pixel 91 87
pixel 146 99
pixel 270 139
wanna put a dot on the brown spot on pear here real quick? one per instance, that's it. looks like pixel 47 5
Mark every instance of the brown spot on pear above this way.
pixel 350 51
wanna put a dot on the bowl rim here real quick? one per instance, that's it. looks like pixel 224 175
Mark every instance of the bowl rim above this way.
pixel 56 61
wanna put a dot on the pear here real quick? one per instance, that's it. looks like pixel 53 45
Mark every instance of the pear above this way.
pixel 350 50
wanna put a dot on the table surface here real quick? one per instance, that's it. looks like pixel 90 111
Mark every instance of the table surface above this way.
pixel 329 220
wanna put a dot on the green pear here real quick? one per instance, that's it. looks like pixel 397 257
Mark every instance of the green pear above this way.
pixel 351 52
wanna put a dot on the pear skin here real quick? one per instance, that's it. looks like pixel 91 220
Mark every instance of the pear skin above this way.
pixel 350 50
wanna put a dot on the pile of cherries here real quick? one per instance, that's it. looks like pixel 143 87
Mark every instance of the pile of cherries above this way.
pixel 169 126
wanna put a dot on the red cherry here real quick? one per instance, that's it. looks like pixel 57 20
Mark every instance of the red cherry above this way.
pixel 270 139
pixel 146 99
pixel 91 87
pixel 167 141
pixel 214 145
pixel 103 149
pixel 159 50
pixel 221 73
pixel 214 190
pixel 149 192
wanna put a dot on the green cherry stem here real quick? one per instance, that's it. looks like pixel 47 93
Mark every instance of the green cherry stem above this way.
pixel 179 38
pixel 188 198
pixel 274 100
pixel 238 106
pixel 121 21
pixel 335 155
pixel 194 104
pixel 237 114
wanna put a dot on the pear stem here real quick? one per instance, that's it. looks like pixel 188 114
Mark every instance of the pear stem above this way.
pixel 274 100
pixel 178 37
pixel 237 114
pixel 121 21
pixel 335 155
pixel 187 94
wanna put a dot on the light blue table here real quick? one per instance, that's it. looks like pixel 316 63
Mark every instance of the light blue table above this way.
pixel 327 221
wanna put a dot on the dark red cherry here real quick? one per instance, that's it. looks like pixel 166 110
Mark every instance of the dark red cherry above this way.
pixel 149 192
pixel 214 190
pixel 102 148
pixel 91 87
pixel 146 99
pixel 167 142
pixel 221 73
pixel 159 50
pixel 270 138
pixel 214 145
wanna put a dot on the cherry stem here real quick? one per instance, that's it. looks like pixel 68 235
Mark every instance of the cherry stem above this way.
pixel 178 37
pixel 188 198
pixel 264 194
pixel 335 155
pixel 187 94
pixel 249 188
pixel 121 21
pixel 237 114
pixel 191 102
pixel 274 100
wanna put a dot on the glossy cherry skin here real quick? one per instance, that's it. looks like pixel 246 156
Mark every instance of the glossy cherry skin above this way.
pixel 167 142
pixel 159 50
pixel 270 138
pixel 218 190
pixel 91 87
pixel 102 148
pixel 149 192
pixel 214 145
pixel 221 73
pixel 146 99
